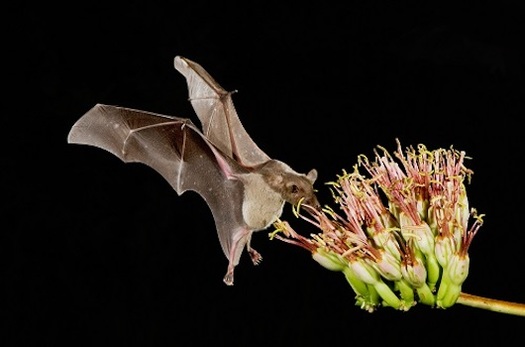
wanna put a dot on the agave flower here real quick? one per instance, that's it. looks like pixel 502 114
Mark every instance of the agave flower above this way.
pixel 400 236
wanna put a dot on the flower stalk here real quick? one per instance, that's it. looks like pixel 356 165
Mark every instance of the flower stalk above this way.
pixel 400 236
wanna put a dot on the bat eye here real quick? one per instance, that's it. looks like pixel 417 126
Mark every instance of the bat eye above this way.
pixel 294 189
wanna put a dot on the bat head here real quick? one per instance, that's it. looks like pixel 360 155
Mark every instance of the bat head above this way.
pixel 300 187
pixel 293 186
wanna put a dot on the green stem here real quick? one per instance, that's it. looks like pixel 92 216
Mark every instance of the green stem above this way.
pixel 491 304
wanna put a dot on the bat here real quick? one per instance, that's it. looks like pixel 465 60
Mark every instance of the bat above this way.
pixel 244 188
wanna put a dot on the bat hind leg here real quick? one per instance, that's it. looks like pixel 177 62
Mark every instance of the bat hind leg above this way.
pixel 256 259
pixel 241 238
pixel 228 278
pixel 254 255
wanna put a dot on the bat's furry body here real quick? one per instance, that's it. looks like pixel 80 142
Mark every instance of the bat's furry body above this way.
pixel 244 188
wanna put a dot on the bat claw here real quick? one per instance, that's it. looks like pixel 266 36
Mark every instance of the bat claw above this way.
pixel 228 278
pixel 255 256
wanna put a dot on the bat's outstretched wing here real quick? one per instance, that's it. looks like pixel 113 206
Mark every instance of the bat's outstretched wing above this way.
pixel 220 122
pixel 177 150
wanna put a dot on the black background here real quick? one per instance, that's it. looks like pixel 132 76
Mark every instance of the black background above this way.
pixel 101 253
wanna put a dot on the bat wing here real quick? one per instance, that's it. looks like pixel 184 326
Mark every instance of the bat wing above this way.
pixel 177 150
pixel 220 122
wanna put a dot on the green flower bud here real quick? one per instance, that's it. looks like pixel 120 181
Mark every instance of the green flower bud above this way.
pixel 364 271
pixel 388 266
pixel 370 276
pixel 415 274
pixel 406 292
pixel 458 268
pixel 444 249
pixel 425 295
pixel 449 297
pixel 388 242
pixel 448 292
pixel 433 271
pixel 424 238
pixel 329 261
pixel 463 210
pixel 453 277
pixel 359 287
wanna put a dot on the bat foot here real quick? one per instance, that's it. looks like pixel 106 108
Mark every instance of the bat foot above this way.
pixel 228 278
pixel 255 256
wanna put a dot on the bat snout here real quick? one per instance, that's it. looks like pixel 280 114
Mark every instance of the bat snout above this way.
pixel 312 202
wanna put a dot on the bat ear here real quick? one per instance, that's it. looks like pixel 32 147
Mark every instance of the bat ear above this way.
pixel 312 175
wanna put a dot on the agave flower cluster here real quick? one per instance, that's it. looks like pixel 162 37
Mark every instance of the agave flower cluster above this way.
pixel 402 235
